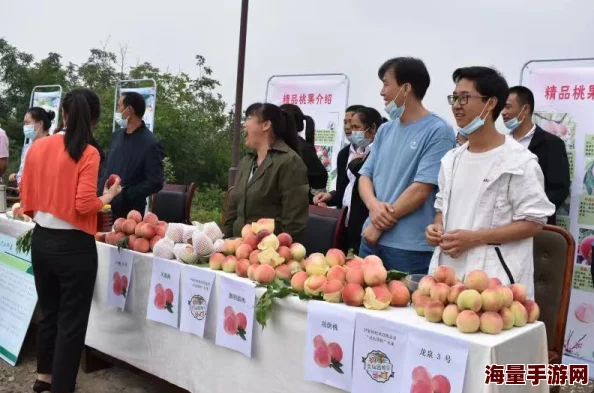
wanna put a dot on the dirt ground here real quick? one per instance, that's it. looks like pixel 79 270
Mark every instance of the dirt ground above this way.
pixel 20 379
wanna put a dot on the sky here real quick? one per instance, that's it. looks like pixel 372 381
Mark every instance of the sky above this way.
pixel 309 36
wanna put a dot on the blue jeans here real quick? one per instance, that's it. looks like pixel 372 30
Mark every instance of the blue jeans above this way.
pixel 411 262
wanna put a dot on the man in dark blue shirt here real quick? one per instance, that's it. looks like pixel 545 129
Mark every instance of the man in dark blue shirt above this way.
pixel 135 155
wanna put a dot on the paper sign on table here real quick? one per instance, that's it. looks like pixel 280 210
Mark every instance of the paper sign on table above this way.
pixel 235 315
pixel 434 361
pixel 120 274
pixel 163 301
pixel 8 245
pixel 329 345
pixel 196 289
pixel 380 345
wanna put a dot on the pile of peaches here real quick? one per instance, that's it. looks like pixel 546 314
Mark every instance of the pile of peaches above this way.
pixel 478 303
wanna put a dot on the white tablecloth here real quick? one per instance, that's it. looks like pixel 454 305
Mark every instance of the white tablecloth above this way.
pixel 198 365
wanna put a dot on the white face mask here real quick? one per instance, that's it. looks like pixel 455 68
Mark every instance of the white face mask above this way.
pixel 514 123
pixel 475 124
pixel 393 110
pixel 359 139
pixel 29 131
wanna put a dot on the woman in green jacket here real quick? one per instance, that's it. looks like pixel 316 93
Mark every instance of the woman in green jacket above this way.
pixel 272 179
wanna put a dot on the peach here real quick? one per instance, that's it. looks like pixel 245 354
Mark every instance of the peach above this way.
pixel 163 224
pixel 298 251
pixel 153 241
pixel 316 264
pixel 355 262
pixel 434 310
pixel 425 285
pixel 400 293
pixel 264 223
pixel 117 225
pixel 142 245
pixel 100 237
pixel 335 351
pixel 353 294
pixel 314 284
pixel 455 292
pixel 373 260
pixel 118 237
pixel 252 270
pixel 254 257
pixel 334 257
pixel 491 300
pixel 441 384
pixel 251 240
pixel 138 230
pixel 147 231
pixel 283 272
pixel 519 292
pixel 262 234
pixel 241 267
pixel 246 230
pixel 135 215
pixel 506 295
pixel 216 261
pixel 270 257
pixel 532 309
pixel 355 276
pixel 151 218
pixel 129 227
pixel 377 298
pixel 477 280
pixel 440 292
pixel 243 251
pixel 470 299
pixel 302 264
pixel 417 297
pixel 374 274
pixel 237 242
pixel 337 272
pixel 333 291
pixel 229 264
pixel 160 231
pixel 494 282
pixel 491 322
pixel 468 322
pixel 131 240
pixel 450 313
pixel 420 373
pixel 270 241
pixel 322 356
pixel 421 387
pixel 298 281
pixel 264 274
pixel 284 239
pixel 285 252
pixel 507 317
pixel 295 267
pixel 445 274
pixel 520 313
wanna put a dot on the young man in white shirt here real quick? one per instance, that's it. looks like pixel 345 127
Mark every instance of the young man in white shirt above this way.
pixel 491 199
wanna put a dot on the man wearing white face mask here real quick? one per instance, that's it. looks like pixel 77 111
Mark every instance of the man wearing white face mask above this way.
pixel 549 148
pixel 491 199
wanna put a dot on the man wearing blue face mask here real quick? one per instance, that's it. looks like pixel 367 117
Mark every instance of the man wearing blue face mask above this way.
pixel 549 148
pixel 491 199
pixel 399 178
pixel 135 155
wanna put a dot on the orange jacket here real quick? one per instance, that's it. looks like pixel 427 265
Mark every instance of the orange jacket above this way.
pixel 53 183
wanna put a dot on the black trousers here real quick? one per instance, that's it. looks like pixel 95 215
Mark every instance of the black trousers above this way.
pixel 65 268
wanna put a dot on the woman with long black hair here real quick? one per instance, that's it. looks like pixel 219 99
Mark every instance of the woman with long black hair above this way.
pixel 271 181
pixel 62 200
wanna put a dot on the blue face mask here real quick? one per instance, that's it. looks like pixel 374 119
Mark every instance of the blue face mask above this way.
pixel 394 111
pixel 360 140
pixel 512 124
pixel 120 120
pixel 350 138
pixel 474 125
pixel 29 131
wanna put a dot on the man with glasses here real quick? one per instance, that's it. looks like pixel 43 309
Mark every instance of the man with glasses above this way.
pixel 399 178
pixel 549 148
pixel 491 199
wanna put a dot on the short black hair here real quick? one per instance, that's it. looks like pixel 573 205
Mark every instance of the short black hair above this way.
pixel 524 95
pixel 408 70
pixel 488 82
pixel 354 108
pixel 136 101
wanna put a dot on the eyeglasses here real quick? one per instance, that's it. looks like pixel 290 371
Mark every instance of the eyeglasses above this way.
pixel 463 99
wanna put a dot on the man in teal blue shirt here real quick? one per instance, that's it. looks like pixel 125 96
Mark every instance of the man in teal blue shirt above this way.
pixel 399 179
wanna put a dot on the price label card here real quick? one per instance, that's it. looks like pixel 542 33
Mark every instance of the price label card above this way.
pixel 120 274
pixel 329 345
pixel 196 289
pixel 8 246
pixel 380 345
pixel 163 300
pixel 235 315
pixel 434 362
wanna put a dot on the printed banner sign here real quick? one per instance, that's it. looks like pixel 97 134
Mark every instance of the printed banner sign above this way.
pixel 564 106
pixel 50 101
pixel 163 299
pixel 329 345
pixel 324 98
pixel 196 289
pixel 150 95
pixel 120 275
pixel 18 298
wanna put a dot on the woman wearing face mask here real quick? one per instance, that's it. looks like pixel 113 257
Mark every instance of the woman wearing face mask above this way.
pixel 271 181
pixel 36 125
pixel 317 175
